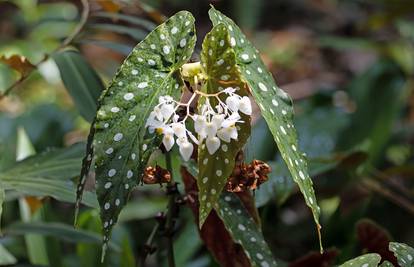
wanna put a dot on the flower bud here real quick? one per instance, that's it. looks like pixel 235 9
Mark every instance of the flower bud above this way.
pixel 186 150
pixel 245 106
pixel 213 144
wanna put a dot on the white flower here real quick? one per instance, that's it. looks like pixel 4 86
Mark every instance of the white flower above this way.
pixel 175 118
pixel 158 113
pixel 186 150
pixel 165 99
pixel 199 122
pixel 193 138
pixel 168 141
pixel 181 140
pixel 167 110
pixel 212 143
pixel 210 129
pixel 217 120
pixel 233 103
pixel 219 108
pixel 179 129
pixel 245 106
pixel 231 120
pixel 229 90
pixel 228 133
pixel 153 122
pixel 211 125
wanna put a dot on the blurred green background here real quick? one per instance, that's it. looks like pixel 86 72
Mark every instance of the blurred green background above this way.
pixel 348 65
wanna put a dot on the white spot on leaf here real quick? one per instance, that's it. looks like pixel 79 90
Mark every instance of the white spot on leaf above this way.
pixel 183 42
pixel 142 85
pixel 111 172
pixel 166 49
pixel 115 109
pixel 262 87
pixel 128 96
pixel 118 137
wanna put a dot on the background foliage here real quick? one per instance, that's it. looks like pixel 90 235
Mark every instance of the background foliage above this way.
pixel 348 65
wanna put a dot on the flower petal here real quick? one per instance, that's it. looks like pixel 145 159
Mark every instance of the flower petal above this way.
pixel 233 103
pixel 179 129
pixel 186 150
pixel 224 135
pixel 229 90
pixel 212 143
pixel 168 141
pixel 217 120
pixel 245 105
pixel 199 123
pixel 158 113
pixel 210 129
pixel 167 110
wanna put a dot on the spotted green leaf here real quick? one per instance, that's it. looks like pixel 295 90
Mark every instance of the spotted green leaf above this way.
pixel 241 226
pixel 86 165
pixel 403 253
pixel 219 65
pixel 386 264
pixel 367 260
pixel 244 230
pixel 121 143
pixel 275 106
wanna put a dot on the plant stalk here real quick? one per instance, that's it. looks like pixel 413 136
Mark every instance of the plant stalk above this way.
pixel 148 245
pixel 171 213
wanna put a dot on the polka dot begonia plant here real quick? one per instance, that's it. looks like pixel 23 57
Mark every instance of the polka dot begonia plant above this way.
pixel 145 108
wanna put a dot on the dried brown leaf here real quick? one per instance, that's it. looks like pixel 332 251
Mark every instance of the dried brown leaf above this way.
pixel 18 63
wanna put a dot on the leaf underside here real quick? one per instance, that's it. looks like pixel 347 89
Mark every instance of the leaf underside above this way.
pixel 403 253
pixel 219 65
pixel 367 260
pixel 48 174
pixel 121 143
pixel 244 230
pixel 275 105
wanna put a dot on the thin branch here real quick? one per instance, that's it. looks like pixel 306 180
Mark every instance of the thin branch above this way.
pixel 68 40
pixel 148 247
pixel 397 199
pixel 79 27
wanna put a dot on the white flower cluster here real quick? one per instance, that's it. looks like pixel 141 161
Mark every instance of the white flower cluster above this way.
pixel 212 124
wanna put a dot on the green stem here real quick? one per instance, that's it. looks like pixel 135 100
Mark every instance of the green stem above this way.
pixel 172 212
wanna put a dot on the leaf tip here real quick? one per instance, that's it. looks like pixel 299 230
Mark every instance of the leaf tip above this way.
pixel 319 227
pixel 75 221
pixel 103 253
pixel 202 217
